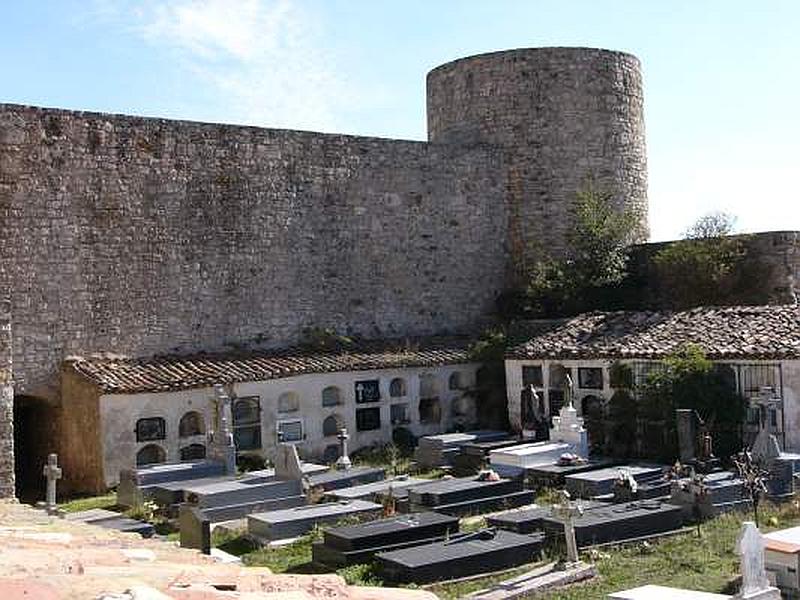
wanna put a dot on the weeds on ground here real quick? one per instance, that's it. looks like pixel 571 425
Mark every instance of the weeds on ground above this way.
pixel 107 501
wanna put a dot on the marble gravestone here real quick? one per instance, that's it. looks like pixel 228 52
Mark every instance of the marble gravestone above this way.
pixel 750 548
pixel 568 436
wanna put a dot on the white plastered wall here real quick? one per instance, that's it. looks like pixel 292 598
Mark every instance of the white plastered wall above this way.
pixel 119 412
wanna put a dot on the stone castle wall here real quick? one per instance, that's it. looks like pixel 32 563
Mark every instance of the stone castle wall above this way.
pixel 569 117
pixel 148 236
pixel 770 271
pixel 145 236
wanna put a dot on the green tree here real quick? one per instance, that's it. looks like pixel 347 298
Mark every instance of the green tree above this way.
pixel 688 379
pixel 596 262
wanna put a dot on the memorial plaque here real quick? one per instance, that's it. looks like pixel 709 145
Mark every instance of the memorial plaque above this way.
pixel 368 390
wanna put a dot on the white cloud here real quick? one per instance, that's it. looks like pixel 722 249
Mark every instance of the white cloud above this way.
pixel 262 58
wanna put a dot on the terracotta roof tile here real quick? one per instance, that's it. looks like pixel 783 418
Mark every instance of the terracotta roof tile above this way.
pixel 731 332
pixel 124 375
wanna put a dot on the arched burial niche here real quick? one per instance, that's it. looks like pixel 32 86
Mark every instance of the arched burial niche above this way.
pixel 191 423
pixel 455 381
pixel 331 396
pixel 193 452
pixel 288 402
pixel 150 454
pixel 397 388
pixel 331 425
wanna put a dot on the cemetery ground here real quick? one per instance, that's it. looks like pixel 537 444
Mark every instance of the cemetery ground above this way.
pixel 701 558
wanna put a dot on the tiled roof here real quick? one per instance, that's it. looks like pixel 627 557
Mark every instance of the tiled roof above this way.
pixel 125 375
pixel 732 332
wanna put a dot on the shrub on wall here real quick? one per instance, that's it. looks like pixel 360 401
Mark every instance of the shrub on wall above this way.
pixel 596 262
pixel 708 267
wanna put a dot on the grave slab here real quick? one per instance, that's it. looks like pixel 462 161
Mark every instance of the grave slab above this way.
pixel 359 543
pixel 554 475
pixel 514 460
pixel 225 493
pixel 334 480
pixel 440 450
pixel 369 491
pixel 459 489
pixel 482 552
pixel 123 523
pixel 134 483
pixel 599 482
pixel 282 524
pixel 618 522
pixel 529 519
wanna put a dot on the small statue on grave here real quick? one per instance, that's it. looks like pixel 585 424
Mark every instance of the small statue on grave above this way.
pixel 529 416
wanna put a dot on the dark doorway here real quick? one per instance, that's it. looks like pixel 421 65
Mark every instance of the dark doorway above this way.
pixel 34 439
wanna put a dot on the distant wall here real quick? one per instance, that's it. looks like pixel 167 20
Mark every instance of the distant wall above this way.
pixel 145 236
pixel 771 271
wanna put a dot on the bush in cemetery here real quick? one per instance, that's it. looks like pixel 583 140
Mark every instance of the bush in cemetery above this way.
pixel 688 379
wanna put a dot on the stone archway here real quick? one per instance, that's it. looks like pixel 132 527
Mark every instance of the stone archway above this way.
pixel 35 436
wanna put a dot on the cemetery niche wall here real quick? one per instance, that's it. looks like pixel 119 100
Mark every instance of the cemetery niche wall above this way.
pixel 756 346
pixel 161 409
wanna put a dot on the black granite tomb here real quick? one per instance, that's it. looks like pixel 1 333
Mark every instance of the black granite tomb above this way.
pixel 618 522
pixel 481 552
pixel 592 484
pixel 335 480
pixel 529 520
pixel 468 495
pixel 359 543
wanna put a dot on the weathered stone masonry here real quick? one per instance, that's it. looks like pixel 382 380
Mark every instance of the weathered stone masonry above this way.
pixel 145 236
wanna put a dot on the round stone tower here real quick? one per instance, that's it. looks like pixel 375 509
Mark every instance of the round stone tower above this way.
pixel 566 118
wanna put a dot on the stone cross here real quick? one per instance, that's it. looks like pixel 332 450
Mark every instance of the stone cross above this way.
pixel 343 462
pixel 567 510
pixel 52 473
pixel 222 446
pixel 750 548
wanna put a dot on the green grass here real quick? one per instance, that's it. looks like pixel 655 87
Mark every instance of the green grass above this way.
pixel 107 501
pixel 704 562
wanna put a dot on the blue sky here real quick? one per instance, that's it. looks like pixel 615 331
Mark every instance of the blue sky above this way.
pixel 722 78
